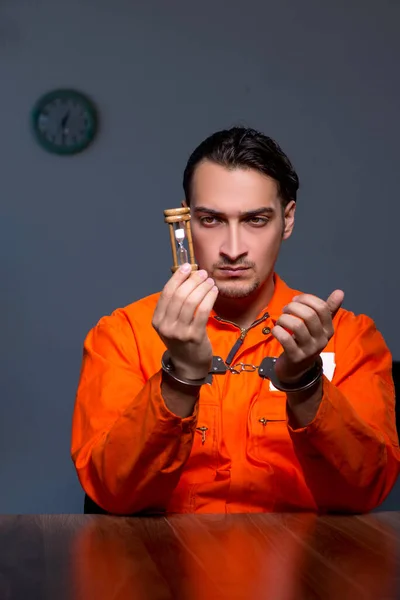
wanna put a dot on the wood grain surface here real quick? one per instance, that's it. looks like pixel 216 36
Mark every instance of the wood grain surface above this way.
pixel 274 557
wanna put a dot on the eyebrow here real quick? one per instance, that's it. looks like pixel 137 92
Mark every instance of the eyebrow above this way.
pixel 246 214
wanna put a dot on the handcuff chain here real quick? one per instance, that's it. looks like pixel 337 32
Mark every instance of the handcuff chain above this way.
pixel 244 367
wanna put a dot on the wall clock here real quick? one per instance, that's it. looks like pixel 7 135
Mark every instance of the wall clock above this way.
pixel 64 121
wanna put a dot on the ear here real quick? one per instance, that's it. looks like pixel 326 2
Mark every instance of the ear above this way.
pixel 288 216
pixel 184 204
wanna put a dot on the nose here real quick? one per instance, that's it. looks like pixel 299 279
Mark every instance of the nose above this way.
pixel 233 246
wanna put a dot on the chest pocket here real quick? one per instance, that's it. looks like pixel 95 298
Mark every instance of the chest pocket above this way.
pixel 203 460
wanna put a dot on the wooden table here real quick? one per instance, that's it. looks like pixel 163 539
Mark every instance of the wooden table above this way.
pixel 274 557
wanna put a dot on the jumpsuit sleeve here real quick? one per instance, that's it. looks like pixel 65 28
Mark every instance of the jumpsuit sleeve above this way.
pixel 349 453
pixel 128 448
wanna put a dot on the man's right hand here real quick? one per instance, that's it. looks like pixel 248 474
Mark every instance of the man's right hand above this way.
pixel 180 319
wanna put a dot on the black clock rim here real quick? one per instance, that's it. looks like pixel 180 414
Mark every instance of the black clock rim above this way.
pixel 49 97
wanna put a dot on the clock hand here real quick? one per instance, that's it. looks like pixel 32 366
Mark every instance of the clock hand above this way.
pixel 63 126
pixel 64 120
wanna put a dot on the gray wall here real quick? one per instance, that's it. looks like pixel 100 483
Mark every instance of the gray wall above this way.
pixel 320 77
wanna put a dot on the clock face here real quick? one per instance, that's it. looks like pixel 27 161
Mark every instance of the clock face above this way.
pixel 64 121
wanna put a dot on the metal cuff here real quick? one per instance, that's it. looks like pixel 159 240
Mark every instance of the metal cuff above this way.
pixel 168 367
pixel 267 370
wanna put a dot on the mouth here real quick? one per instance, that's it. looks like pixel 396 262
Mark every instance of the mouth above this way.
pixel 233 271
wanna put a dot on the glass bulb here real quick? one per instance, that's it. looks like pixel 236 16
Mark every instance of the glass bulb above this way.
pixel 182 254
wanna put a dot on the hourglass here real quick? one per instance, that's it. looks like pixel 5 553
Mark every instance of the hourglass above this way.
pixel 178 220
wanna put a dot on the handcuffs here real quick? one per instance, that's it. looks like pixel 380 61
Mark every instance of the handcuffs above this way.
pixel 266 370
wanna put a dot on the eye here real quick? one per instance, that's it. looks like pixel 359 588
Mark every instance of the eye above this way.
pixel 208 221
pixel 258 221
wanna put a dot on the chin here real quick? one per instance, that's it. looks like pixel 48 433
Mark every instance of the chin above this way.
pixel 237 290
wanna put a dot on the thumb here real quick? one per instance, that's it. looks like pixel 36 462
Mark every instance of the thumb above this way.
pixel 334 301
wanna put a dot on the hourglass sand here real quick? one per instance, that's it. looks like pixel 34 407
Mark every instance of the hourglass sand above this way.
pixel 178 220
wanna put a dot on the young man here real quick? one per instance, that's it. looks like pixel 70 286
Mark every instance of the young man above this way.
pixel 314 430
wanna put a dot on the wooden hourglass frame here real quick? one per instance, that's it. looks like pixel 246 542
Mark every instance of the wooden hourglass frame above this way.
pixel 173 216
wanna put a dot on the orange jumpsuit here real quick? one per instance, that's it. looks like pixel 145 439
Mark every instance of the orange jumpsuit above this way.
pixel 237 452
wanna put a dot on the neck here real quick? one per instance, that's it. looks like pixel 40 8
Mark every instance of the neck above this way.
pixel 244 311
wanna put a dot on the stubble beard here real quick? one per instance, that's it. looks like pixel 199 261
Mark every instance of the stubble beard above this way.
pixel 226 290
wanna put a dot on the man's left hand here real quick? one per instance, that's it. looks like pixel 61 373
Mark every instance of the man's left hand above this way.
pixel 304 330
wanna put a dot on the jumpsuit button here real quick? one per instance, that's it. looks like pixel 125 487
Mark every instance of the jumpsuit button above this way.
pixel 266 330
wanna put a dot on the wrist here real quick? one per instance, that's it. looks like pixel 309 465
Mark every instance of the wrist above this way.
pixel 296 380
pixel 307 381
pixel 308 395
pixel 192 391
pixel 179 399
pixel 185 370
pixel 184 375
pixel 303 406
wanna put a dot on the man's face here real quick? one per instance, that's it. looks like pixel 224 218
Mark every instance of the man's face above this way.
pixel 238 226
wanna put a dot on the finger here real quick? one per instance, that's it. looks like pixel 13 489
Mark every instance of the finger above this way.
pixel 298 328
pixel 192 302
pixel 174 294
pixel 335 301
pixel 178 278
pixel 319 306
pixel 181 295
pixel 204 309
pixel 307 314
pixel 286 341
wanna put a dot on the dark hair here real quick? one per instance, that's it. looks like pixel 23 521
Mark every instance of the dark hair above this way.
pixel 244 148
